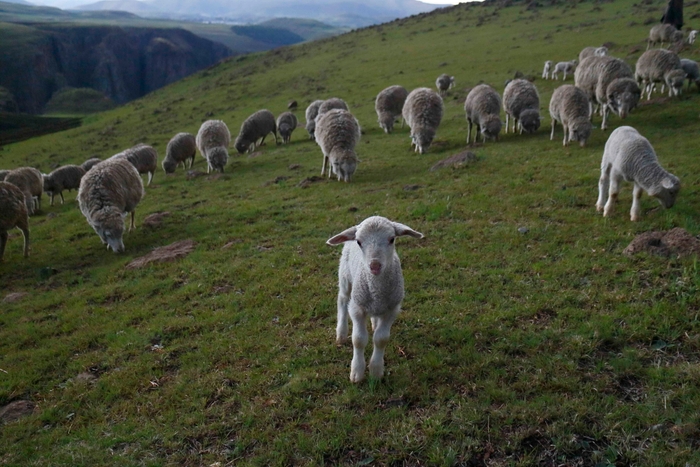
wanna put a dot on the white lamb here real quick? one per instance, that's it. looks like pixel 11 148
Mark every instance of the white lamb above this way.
pixel 692 35
pixel 546 73
pixel 370 286
pixel 568 68
pixel 629 156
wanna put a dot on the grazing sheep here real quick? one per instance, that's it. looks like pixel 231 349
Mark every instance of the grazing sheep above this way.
pixel 388 105
pixel 286 124
pixel 692 72
pixel 63 178
pixel 546 73
pixel 591 52
pixel 143 157
pixel 692 35
pixel 570 107
pixel 660 65
pixel 586 77
pixel 443 83
pixel 3 174
pixel 663 32
pixel 107 193
pixel 30 181
pixel 422 112
pixel 629 156
pixel 13 213
pixel 180 149
pixel 338 132
pixel 212 141
pixel 568 68
pixel 483 109
pixel 311 113
pixel 254 128
pixel 370 283
pixel 330 104
pixel 616 89
pixel 90 163
pixel 522 102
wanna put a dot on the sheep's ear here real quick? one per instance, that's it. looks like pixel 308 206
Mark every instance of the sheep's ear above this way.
pixel 667 183
pixel 401 229
pixel 342 237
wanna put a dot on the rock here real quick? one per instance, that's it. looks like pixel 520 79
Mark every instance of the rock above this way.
pixel 154 220
pixel 523 230
pixel 14 297
pixel 16 410
pixel 675 242
pixel 456 161
pixel 412 187
pixel 171 252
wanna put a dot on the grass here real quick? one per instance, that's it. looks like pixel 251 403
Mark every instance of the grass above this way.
pixel 547 347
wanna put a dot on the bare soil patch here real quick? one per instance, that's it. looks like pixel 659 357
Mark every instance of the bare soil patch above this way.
pixel 170 252
pixel 675 242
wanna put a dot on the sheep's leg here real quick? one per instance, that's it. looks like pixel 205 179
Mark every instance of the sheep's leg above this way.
pixel 3 242
pixel 382 330
pixel 22 225
pixel 614 190
pixel 133 220
pixel 359 342
pixel 507 117
pixel 603 125
pixel 150 177
pixel 566 142
pixel 636 211
pixel 469 131
pixel 663 89
pixel 51 199
pixel 603 185
pixel 60 193
pixel 341 330
pixel 477 132
pixel 323 167
pixel 517 124
pixel 551 137
pixel 262 141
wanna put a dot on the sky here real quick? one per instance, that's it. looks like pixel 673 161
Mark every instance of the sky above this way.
pixel 452 2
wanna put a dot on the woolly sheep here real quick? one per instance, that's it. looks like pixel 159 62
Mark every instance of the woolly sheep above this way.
pixel 212 141
pixel 483 109
pixel 311 113
pixel 370 285
pixel 568 68
pixel 180 149
pixel 443 83
pixel 254 128
pixel 546 72
pixel 522 102
pixel 90 163
pixel 3 174
pixel 660 65
pixel 591 52
pixel 330 104
pixel 338 132
pixel 388 105
pixel 63 178
pixel 661 33
pixel 692 35
pixel 13 213
pixel 616 89
pixel 143 157
pixel 570 107
pixel 286 124
pixel 30 181
pixel 629 156
pixel 586 76
pixel 692 72
pixel 422 112
pixel 107 193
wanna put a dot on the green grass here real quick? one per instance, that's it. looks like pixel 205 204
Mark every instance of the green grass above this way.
pixel 543 348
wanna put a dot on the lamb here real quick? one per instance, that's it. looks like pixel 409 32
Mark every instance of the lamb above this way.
pixel 338 132
pixel 388 106
pixel 422 111
pixel 90 163
pixel 63 178
pixel 107 193
pixel 311 113
pixel 286 124
pixel 370 286
pixel 592 52
pixel 180 149
pixel 3 174
pixel 660 65
pixel 692 72
pixel 212 141
pixel 30 181
pixel 547 69
pixel 483 109
pixel 13 213
pixel 692 35
pixel 629 156
pixel 568 68
pixel 570 107
pixel 330 104
pixel 522 102
pixel 616 89
pixel 143 157
pixel 663 32
pixel 443 83
pixel 254 128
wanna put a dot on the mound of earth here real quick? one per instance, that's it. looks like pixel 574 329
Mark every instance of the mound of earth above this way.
pixel 170 252
pixel 16 410
pixel 455 161
pixel 675 242
pixel 156 219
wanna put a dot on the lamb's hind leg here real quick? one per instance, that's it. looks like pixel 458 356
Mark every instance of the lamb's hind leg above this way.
pixel 341 330
pixel 603 185
pixel 359 342
pixel 636 211
pixel 380 339
pixel 613 191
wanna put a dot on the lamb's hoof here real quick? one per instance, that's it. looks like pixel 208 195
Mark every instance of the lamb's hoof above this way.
pixel 341 340
pixel 635 218
pixel 599 208
pixel 356 377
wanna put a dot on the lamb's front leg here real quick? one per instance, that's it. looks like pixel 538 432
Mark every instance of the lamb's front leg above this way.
pixel 382 331
pixel 636 211
pixel 341 330
pixel 603 184
pixel 359 342
pixel 613 191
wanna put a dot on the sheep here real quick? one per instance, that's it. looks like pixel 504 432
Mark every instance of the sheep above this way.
pixel 692 35
pixel 663 32
pixel 311 113
pixel 692 72
pixel 286 124
pixel 443 83
pixel 388 106
pixel 570 107
pixel 254 128
pixel 330 104
pixel 616 89
pixel 660 65
pixel 30 181
pixel 143 157
pixel 483 109
pixel 180 149
pixel 586 76
pixel 107 193
pixel 568 68
pixel 338 132
pixel 3 174
pixel 629 156
pixel 13 213
pixel 522 102
pixel 422 112
pixel 212 141
pixel 592 52
pixel 63 178
pixel 546 72
pixel 90 163
pixel 370 285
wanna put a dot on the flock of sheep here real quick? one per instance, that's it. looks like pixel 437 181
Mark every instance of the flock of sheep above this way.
pixel 370 277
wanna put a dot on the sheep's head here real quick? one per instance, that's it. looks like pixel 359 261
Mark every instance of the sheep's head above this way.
pixel 423 138
pixel 49 184
pixel 169 165
pixel 580 130
pixel 674 80
pixel 285 131
pixel 491 126
pixel 386 122
pixel 218 158
pixel 530 120
pixel 241 144
pixel 623 96
pixel 667 191
pixel 344 165
pixel 601 51
pixel 375 237
pixel 109 225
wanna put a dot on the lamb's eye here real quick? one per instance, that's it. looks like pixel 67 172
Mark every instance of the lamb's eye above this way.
pixel 359 243
pixel 391 240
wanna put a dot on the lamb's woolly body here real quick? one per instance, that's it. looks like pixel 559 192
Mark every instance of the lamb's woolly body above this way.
pixel 63 178
pixel 422 112
pixel 570 107
pixel 212 141
pixel 286 124
pixel 521 101
pixel 660 66
pixel 663 32
pixel 443 83
pixel 337 133
pixel 181 148
pixel 90 163
pixel 254 128
pixel 629 156
pixel 692 72
pixel 13 213
pixel 592 51
pixel 620 97
pixel 483 109
pixel 546 72
pixel 143 157
pixel 30 181
pixel 388 105
pixel 568 68
pixel 311 113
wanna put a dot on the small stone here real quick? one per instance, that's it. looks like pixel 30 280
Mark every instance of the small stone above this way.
pixel 523 230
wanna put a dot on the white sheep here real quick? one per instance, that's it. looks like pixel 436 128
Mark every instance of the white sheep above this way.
pixel 568 68
pixel 255 127
pixel 692 72
pixel 663 32
pixel 311 113
pixel 90 163
pixel 483 109
pixel 422 112
pixel 212 141
pixel 31 182
pixel 13 213
pixel 370 283
pixel 337 133
pixel 63 178
pixel 443 83
pixel 592 52
pixel 143 157
pixel 330 104
pixel 522 102
pixel 547 71
pixel 181 149
pixel 629 156
pixel 616 89
pixel 286 124
pixel 660 66
pixel 388 105
pixel 570 107
pixel 692 35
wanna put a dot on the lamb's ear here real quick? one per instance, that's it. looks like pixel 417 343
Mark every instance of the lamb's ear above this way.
pixel 401 229
pixel 668 183
pixel 342 237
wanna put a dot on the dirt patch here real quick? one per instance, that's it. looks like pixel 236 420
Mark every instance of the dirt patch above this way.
pixel 309 180
pixel 456 161
pixel 156 219
pixel 14 297
pixel 192 174
pixel 675 242
pixel 16 410
pixel 171 252
pixel 277 180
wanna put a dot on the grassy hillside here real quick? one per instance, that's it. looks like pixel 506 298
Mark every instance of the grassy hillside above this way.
pixel 526 338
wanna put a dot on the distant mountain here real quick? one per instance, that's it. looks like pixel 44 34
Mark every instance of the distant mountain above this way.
pixel 21 2
pixel 132 6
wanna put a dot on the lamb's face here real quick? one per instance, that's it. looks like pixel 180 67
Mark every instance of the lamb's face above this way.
pixel 376 241
pixel 530 121
pixel 218 157
pixel 667 192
